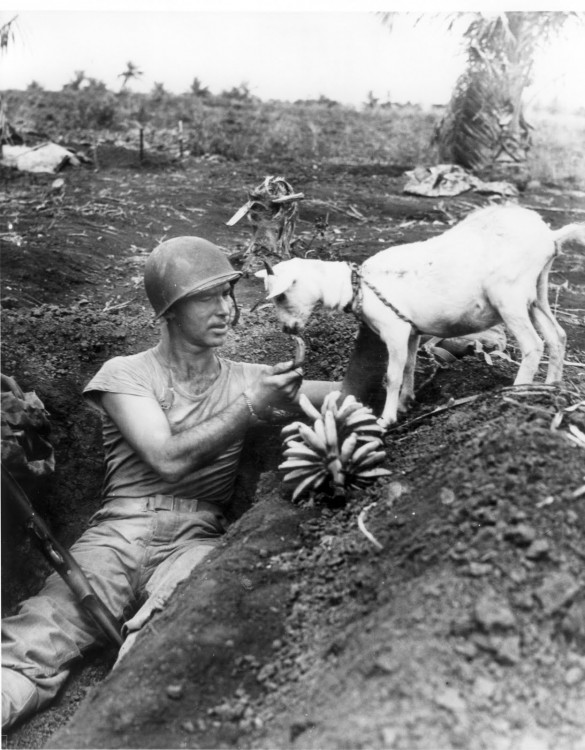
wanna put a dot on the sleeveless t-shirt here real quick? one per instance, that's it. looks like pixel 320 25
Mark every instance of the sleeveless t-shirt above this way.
pixel 144 374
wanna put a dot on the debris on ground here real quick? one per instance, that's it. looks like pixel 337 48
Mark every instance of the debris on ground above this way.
pixel 46 157
pixel 451 180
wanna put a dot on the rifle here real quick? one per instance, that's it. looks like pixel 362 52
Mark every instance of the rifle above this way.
pixel 60 559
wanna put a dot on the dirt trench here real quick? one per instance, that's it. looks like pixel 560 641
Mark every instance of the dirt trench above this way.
pixel 466 629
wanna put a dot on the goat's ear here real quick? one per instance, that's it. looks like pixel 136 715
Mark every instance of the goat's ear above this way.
pixel 277 285
pixel 261 274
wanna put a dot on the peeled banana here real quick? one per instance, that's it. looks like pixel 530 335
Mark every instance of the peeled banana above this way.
pixel 300 351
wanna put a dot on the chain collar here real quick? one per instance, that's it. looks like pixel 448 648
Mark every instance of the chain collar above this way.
pixel 356 304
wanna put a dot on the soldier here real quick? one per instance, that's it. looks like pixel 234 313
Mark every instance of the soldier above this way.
pixel 174 421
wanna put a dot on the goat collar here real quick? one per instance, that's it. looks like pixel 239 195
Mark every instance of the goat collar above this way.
pixel 356 303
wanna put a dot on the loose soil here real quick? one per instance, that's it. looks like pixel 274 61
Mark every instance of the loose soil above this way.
pixel 461 625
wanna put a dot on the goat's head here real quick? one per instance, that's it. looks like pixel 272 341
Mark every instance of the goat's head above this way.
pixel 293 289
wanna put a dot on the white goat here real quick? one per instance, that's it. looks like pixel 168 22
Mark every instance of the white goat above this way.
pixel 491 267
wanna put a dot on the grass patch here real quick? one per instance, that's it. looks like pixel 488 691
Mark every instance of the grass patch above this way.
pixel 242 127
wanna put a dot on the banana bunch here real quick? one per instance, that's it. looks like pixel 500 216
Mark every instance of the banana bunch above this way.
pixel 343 448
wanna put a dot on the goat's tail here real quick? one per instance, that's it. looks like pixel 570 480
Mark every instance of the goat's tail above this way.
pixel 575 232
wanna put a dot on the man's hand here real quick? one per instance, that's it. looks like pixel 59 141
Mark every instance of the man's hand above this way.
pixel 278 386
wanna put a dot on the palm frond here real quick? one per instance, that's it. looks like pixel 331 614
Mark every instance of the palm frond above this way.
pixel 7 34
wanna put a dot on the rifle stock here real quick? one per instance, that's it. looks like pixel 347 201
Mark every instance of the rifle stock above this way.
pixel 60 559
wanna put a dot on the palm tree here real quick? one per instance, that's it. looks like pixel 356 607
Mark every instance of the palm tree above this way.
pixel 132 71
pixel 484 122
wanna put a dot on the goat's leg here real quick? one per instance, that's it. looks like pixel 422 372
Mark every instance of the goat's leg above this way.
pixel 545 325
pixel 364 377
pixel 407 390
pixel 517 320
pixel 549 328
pixel 396 339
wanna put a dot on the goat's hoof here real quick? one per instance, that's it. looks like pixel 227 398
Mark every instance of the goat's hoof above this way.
pixel 405 405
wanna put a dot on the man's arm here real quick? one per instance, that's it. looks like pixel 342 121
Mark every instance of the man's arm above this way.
pixel 144 425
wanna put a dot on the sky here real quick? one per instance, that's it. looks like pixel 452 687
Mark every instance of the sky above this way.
pixel 319 48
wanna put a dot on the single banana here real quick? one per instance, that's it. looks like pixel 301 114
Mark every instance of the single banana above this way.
pixel 301 450
pixel 298 463
pixel 311 438
pixel 357 406
pixel 370 474
pixel 290 429
pixel 370 423
pixel 296 474
pixel 363 451
pixel 336 472
pixel 359 411
pixel 371 459
pixel 300 351
pixel 368 435
pixel 349 399
pixel 316 463
pixel 290 439
pixel 347 448
pixel 319 428
pixel 311 411
pixel 309 482
pixel 330 402
pixel 349 408
pixel 357 420
pixel 331 433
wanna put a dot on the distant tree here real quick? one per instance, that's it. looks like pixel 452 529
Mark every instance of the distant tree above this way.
pixel 198 89
pixel 158 92
pixel 371 102
pixel 132 71
pixel 94 85
pixel 239 93
pixel 326 101
pixel 78 79
pixel 34 86
pixel 484 121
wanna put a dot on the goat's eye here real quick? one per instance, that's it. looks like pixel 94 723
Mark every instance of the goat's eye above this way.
pixel 280 297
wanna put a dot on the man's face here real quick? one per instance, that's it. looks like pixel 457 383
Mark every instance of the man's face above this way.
pixel 203 318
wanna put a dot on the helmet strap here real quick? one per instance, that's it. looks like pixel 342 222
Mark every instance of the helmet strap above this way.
pixel 236 308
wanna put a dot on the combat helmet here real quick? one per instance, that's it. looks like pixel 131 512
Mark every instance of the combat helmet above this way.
pixel 183 266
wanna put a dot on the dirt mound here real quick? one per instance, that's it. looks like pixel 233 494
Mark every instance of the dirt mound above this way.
pixel 465 627
pixel 461 625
